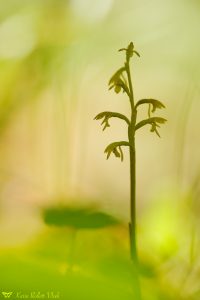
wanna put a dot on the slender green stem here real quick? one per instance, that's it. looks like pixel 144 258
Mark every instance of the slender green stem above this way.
pixel 132 224
pixel 131 135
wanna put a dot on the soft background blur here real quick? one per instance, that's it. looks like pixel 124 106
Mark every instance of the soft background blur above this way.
pixel 56 57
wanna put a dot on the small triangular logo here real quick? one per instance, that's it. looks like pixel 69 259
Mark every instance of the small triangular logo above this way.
pixel 7 294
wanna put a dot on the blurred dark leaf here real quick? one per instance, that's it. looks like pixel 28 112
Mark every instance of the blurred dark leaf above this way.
pixel 79 218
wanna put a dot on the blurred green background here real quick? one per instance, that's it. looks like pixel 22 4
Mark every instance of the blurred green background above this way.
pixel 56 57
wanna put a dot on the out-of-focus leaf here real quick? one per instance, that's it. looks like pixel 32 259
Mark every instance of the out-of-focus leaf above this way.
pixel 79 218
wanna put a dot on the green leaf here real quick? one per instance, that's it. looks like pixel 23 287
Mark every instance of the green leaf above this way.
pixel 79 218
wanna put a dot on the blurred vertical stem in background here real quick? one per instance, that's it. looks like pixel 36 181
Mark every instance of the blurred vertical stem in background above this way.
pixel 121 81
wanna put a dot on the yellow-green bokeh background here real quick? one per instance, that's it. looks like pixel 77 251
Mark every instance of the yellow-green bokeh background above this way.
pixel 56 57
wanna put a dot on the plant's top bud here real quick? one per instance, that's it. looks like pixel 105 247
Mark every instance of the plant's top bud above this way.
pixel 130 51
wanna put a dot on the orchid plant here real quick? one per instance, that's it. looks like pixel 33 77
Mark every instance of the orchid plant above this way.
pixel 121 81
